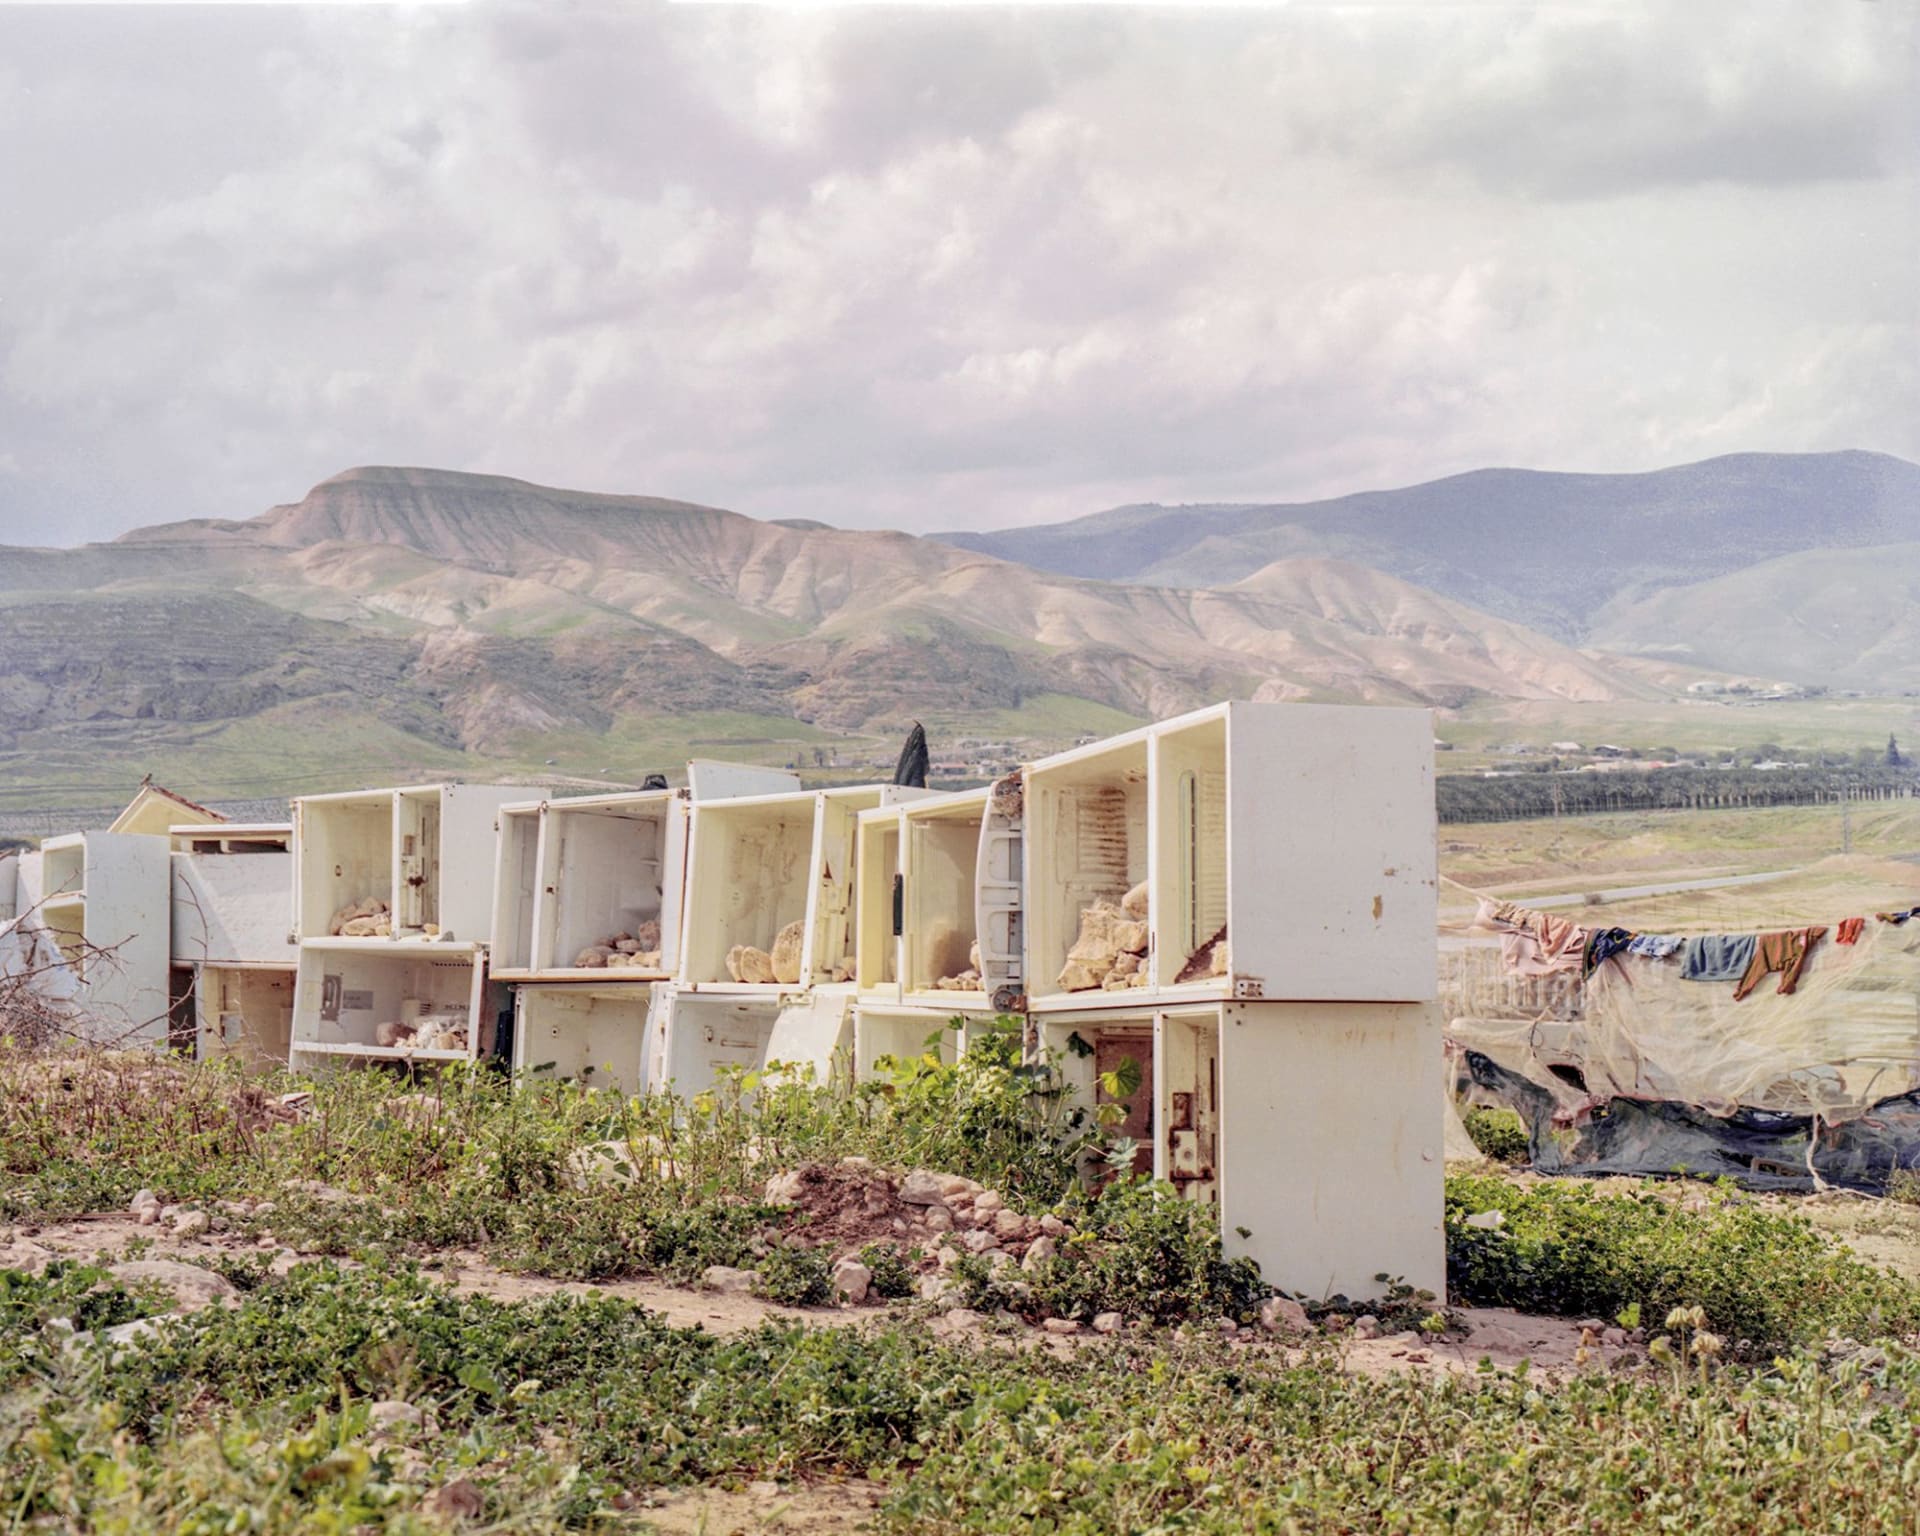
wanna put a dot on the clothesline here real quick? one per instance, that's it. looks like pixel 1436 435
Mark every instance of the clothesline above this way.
pixel 1538 943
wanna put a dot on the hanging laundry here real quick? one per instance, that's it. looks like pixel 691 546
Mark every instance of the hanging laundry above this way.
pixel 1603 945
pixel 1535 943
pixel 1545 950
pixel 1849 930
pixel 1656 946
pixel 1717 956
pixel 1785 952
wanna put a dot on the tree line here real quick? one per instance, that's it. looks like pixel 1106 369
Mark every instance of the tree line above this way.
pixel 1540 791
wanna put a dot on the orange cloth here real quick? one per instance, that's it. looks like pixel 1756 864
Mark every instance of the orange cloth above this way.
pixel 1785 952
pixel 1849 930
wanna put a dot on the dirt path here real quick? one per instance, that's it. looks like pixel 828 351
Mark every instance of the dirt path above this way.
pixel 1501 1337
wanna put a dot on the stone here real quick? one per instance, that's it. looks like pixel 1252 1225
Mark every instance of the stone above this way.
pixel 592 958
pixel 1109 1322
pixel 190 1286
pixel 1078 977
pixel 1124 965
pixel 1134 903
pixel 935 1288
pixel 390 1032
pixel 988 1201
pixel 458 1500
pixel 142 1200
pixel 963 1317
pixel 1614 1338
pixel 1282 1314
pixel 851 1281
pixel 1039 1251
pixel 997 1260
pixel 787 946
pixel 147 1216
pixel 729 1281
pixel 1052 1225
pixel 922 1188
pixel 1061 1325
pixel 749 965
pixel 978 1241
pixel 1367 1327
pixel 391 1414
pixel 1009 1225
pixel 192 1224
pixel 362 928
pixel 954 1185
pixel 602 1162
pixel 784 1188
pixel 1226 1325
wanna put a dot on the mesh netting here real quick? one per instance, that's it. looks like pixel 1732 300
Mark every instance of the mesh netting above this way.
pixel 1845 1039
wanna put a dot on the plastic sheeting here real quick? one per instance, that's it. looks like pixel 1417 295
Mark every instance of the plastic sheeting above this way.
pixel 1845 1040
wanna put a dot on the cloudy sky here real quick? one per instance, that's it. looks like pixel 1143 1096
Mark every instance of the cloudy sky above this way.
pixel 934 269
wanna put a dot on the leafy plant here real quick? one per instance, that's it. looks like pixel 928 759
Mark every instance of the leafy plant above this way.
pixel 798 1277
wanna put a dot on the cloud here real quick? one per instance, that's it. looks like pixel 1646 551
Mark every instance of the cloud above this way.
pixel 941 269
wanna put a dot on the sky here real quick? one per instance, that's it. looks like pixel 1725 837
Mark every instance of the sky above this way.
pixel 942 268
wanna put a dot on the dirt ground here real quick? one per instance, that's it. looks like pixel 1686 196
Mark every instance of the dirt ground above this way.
pixel 1501 1337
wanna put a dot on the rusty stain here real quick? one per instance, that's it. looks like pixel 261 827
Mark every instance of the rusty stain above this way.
pixel 1376 909
pixel 1390 871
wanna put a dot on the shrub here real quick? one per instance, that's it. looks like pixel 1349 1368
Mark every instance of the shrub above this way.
pixel 797 1277
pixel 892 1270
pixel 1137 1248
pixel 1762 1277
pixel 1500 1134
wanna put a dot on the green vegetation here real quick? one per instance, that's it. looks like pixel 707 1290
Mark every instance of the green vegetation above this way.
pixel 1500 1134
pixel 1542 791
pixel 1763 1278
pixel 260 1418
pixel 339 1396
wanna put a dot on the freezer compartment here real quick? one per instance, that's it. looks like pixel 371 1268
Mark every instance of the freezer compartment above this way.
pixel 1087 866
pixel 876 967
pixel 940 946
pixel 345 855
pixel 749 877
pixel 1187 908
pixel 518 878
pixel 614 877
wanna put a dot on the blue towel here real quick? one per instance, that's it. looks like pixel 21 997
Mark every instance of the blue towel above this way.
pixel 1718 956
pixel 1655 946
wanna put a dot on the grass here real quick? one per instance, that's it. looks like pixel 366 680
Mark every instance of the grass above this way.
pixel 573 1411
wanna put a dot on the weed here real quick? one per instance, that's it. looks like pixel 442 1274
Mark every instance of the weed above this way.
pixel 1500 1134
pixel 795 1276
pixel 1763 1278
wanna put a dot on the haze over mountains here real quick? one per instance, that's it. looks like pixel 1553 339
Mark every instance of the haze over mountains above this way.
pixel 440 614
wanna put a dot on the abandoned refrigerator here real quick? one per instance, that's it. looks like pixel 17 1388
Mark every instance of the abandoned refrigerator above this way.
pixel 1233 912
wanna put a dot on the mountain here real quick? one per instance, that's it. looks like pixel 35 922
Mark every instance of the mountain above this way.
pixel 412 620
pixel 1544 549
pixel 1847 618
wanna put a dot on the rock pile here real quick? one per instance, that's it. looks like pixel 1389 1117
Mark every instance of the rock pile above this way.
pixel 1110 953
pixel 639 950
pixel 436 1032
pixel 369 918
pixel 967 980
pixel 844 1206
pixel 1210 959
pixel 745 963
